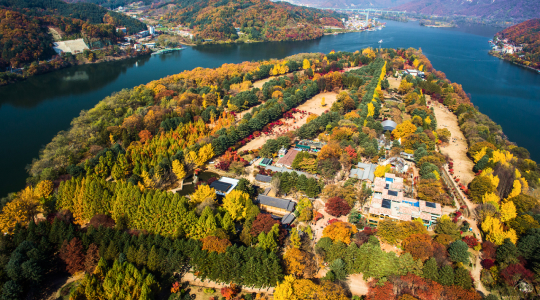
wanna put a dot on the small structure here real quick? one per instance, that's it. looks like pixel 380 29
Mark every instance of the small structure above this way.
pixel 388 125
pixel 288 219
pixel 224 185
pixel 282 152
pixel 287 159
pixel 397 163
pixel 415 73
pixel 363 172
pixel 71 46
pixel 121 29
pixel 284 169
pixel 407 156
pixel 263 178
pixel 309 145
pixel 266 162
pixel 276 206
pixel 150 45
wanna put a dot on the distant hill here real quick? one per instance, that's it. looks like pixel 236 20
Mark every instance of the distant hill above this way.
pixel 515 10
pixel 24 27
pixel 259 19
pixel 350 3
pixel 528 35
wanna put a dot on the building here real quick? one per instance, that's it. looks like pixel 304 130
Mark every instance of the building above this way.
pixel 288 219
pixel 284 169
pixel 415 73
pixel 407 156
pixel 224 185
pixel 363 172
pixel 121 29
pixel 263 178
pixel 150 45
pixel 275 206
pixel 151 30
pixel 282 152
pixel 388 202
pixel 266 162
pixel 398 163
pixel 287 159
pixel 388 125
pixel 71 46
pixel 309 145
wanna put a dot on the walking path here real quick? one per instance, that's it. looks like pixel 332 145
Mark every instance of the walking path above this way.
pixel 189 277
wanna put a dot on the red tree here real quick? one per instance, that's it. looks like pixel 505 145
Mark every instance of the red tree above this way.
pixel 515 272
pixel 471 241
pixel 263 222
pixel 419 245
pixel 92 258
pixel 72 254
pixel 337 207
pixel 385 292
pixel 489 250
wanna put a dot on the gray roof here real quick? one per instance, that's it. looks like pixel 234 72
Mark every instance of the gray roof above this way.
pixel 283 169
pixel 288 219
pixel 276 202
pixel 364 172
pixel 263 178
pixel 389 125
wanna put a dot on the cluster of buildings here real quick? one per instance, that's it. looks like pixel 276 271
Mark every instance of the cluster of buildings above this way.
pixel 505 47
pixel 357 22
pixel 388 202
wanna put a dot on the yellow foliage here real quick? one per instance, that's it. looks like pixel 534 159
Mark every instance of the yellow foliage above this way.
pixel 480 154
pixel 306 64
pixel 323 102
pixel 369 53
pixel 44 189
pixel 21 210
pixel 203 192
pixel 404 129
pixel 508 211
pixel 516 190
pixel 495 233
pixel 502 156
pixel 427 121
pixel 381 170
pixel 147 181
pixel 206 152
pixel 235 204
pixel 311 117
pixel 490 197
pixel 340 231
pixel 178 169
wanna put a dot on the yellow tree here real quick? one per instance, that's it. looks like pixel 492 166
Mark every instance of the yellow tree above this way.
pixel 306 64
pixel 44 189
pixel 404 87
pixel 495 232
pixel 235 203
pixel 404 129
pixel 21 210
pixel 381 170
pixel 206 152
pixel 371 109
pixel 508 211
pixel 202 193
pixel 516 190
pixel 178 169
pixel 147 181
pixel 340 231
pixel 191 159
pixel 323 102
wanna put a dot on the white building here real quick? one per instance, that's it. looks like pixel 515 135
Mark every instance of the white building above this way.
pixel 152 30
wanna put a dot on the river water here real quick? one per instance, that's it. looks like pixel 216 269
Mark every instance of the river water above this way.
pixel 33 111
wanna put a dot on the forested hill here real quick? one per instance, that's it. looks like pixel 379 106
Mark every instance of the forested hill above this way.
pixel 24 24
pixel 259 19
pixel 351 3
pixel 527 34
pixel 510 10
pixel 87 12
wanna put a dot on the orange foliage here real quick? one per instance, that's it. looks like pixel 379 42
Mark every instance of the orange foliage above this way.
pixel 215 244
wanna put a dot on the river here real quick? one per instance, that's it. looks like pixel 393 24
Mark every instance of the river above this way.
pixel 33 111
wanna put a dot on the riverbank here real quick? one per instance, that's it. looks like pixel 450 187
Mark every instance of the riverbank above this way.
pixel 500 56
pixel 43 67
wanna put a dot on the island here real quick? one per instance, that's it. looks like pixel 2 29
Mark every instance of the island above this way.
pixel 346 175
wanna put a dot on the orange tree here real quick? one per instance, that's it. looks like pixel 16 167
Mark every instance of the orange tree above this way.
pixel 340 231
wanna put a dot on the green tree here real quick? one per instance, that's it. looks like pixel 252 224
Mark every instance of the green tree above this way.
pixel 446 276
pixel 463 278
pixel 153 261
pixel 459 252
pixel 431 270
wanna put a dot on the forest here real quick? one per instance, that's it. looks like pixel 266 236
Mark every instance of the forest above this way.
pixel 108 203
pixel 24 25
pixel 260 20
pixel 527 34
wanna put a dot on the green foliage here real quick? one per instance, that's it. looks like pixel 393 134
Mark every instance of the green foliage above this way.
pixel 458 252
pixel 446 275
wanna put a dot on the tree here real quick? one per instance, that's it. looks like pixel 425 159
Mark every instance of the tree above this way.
pixel 269 241
pixel 340 231
pixel 480 186
pixel 202 193
pixel 446 226
pixel 419 246
pixel 337 207
pixel 92 258
pixel 306 64
pixel 20 210
pixel 178 169
pixel 323 102
pixel 298 262
pixel 459 252
pixel 215 244
pixel 263 223
pixel 236 203
pixel 206 152
pixel 508 211
pixel 381 170
pixel 524 203
pixel 463 278
pixel 73 256
pixel 446 275
pixel 404 129
pixel 430 270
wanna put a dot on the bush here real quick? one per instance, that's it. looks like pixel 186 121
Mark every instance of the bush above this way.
pixel 209 290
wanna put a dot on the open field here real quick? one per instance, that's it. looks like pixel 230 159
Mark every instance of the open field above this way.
pixel 312 105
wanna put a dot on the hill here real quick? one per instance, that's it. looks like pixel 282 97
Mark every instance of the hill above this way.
pixel 511 10
pixel 350 3
pixel 527 34
pixel 24 27
pixel 259 20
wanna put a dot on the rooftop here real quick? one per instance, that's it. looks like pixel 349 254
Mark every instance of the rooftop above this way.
pixel 364 172
pixel 263 178
pixel 224 185
pixel 288 158
pixel 276 202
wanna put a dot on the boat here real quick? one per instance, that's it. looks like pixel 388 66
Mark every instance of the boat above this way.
pixel 380 42
pixel 167 50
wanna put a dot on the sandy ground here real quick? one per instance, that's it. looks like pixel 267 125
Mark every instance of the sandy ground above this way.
pixel 260 83
pixel 394 82
pixel 357 284
pixel 457 148
pixel 312 105
pixel 189 277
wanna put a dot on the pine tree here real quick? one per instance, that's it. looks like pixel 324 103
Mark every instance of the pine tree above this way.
pixel 112 252
pixel 92 258
pixel 463 278
pixel 142 254
pixel 431 271
pixel 131 254
pixel 446 276
pixel 153 259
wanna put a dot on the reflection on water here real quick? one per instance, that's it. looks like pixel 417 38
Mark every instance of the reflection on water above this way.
pixel 79 75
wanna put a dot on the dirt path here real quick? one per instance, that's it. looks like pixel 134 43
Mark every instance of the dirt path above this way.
pixel 260 83
pixel 457 148
pixel 312 105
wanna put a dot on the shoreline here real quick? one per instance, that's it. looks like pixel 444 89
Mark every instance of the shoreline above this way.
pixel 494 54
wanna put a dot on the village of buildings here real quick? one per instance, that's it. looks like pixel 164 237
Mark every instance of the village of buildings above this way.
pixel 504 46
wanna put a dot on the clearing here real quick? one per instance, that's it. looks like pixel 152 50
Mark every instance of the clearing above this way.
pixel 394 82
pixel 312 105
pixel 357 284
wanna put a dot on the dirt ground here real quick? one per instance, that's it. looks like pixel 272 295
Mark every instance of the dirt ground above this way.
pixel 55 32
pixel 457 147
pixel 312 105
pixel 357 285
pixel 189 277
pixel 260 83
pixel 394 82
